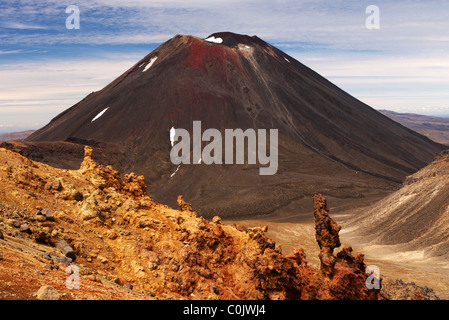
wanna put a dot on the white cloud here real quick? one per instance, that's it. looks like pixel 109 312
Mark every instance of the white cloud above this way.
pixel 10 51
pixel 398 83
pixel 47 88
pixel 22 26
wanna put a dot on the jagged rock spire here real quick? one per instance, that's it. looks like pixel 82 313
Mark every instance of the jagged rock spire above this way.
pixel 326 234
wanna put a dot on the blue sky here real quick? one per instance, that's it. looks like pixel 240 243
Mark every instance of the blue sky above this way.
pixel 46 68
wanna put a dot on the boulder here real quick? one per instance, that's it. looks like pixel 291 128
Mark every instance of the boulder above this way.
pixel 66 249
pixel 47 293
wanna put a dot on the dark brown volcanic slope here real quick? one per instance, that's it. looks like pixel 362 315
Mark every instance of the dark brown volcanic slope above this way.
pixel 435 128
pixel 328 141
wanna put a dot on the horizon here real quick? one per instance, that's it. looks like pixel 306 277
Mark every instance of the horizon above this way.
pixel 13 129
pixel 45 68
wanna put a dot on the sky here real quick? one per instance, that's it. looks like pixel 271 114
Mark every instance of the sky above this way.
pixel 46 67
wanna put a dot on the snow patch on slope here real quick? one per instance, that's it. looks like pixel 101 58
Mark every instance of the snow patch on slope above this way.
pixel 214 40
pixel 149 64
pixel 99 115
pixel 172 135
pixel 175 171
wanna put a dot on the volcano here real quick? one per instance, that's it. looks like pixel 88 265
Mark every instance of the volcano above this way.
pixel 329 141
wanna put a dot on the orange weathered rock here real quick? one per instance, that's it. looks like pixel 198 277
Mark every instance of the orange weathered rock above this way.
pixel 122 237
pixel 101 176
pixel 135 185
pixel 183 205
pixel 326 234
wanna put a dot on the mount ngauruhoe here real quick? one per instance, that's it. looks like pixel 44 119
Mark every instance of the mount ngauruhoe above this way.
pixel 329 141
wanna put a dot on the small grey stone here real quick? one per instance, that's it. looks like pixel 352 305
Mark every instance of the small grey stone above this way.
pixel 68 251
pixel 47 214
pixel 65 260
pixel 16 224
pixel 24 228
pixel 128 286
pixel 62 244
pixel 56 185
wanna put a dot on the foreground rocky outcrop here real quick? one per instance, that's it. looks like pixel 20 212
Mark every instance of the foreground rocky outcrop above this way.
pixel 89 234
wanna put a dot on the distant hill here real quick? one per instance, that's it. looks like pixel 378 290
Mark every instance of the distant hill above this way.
pixel 413 220
pixel 435 128
pixel 22 135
